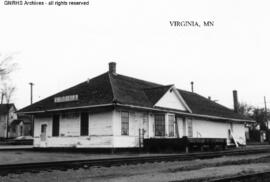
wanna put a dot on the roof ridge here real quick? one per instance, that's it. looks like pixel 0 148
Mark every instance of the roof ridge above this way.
pixel 59 92
pixel 150 88
pixel 215 104
pixel 220 105
pixel 113 91
pixel 140 80
pixel 181 90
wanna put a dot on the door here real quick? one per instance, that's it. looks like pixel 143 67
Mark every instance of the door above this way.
pixel 21 130
pixel 55 126
pixel 43 135
pixel 84 124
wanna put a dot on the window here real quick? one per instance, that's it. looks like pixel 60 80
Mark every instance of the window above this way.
pixel 55 129
pixel 171 125
pixel 190 129
pixel 145 124
pixel 160 125
pixel 43 132
pixel 124 123
pixel 84 124
pixel 43 128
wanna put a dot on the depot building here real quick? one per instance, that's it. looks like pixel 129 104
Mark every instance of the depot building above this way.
pixel 115 111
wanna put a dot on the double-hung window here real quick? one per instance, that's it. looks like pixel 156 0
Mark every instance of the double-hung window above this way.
pixel 190 128
pixel 124 123
pixel 159 125
pixel 171 125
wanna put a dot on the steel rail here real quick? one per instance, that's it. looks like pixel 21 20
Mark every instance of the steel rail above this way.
pixel 107 162
pixel 258 176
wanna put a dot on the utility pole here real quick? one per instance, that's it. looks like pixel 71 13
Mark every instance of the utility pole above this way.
pixel 7 121
pixel 265 109
pixel 31 92
pixel 31 102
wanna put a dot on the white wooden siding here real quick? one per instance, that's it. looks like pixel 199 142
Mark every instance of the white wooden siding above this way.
pixel 105 130
pixel 170 100
pixel 42 120
pixel 211 129
pixel 181 129
pixel 136 122
pixel 101 124
pixel 100 131
pixel 77 141
pixel 69 126
pixel 239 132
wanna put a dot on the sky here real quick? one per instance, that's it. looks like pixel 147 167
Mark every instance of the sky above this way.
pixel 57 47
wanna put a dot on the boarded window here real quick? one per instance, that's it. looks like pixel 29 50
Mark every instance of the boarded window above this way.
pixel 159 125
pixel 55 127
pixel 124 123
pixel 84 124
pixel 190 128
pixel 171 125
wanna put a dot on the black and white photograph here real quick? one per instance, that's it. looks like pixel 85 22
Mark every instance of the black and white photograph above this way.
pixel 134 91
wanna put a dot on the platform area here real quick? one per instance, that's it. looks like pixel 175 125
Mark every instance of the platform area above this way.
pixel 15 147
pixel 17 155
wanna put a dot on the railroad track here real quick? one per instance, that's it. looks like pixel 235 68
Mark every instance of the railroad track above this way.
pixel 260 176
pixel 76 164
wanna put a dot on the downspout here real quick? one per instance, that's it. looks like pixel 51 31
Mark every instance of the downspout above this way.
pixel 177 129
pixel 7 123
pixel 2 98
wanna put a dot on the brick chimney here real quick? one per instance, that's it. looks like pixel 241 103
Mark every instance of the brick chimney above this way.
pixel 112 67
pixel 192 86
pixel 235 101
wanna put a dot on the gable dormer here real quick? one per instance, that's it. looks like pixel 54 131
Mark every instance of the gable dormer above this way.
pixel 167 97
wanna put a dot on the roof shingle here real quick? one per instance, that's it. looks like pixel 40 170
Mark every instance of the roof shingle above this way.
pixel 110 88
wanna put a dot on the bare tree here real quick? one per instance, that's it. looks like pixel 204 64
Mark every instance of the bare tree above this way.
pixel 8 92
pixel 7 89
pixel 6 67
pixel 245 109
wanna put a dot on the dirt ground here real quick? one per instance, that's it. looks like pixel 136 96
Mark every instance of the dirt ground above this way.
pixel 21 156
pixel 16 157
pixel 158 172
pixel 13 157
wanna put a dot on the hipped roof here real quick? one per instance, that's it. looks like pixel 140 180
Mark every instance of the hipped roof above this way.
pixel 111 88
